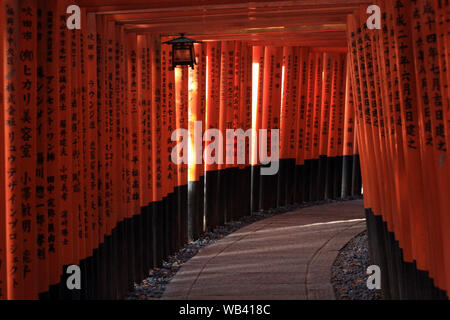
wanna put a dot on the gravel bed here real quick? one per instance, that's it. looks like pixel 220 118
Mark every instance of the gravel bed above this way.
pixel 152 288
pixel 348 274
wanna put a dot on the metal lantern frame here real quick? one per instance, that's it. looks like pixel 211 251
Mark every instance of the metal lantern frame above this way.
pixel 183 44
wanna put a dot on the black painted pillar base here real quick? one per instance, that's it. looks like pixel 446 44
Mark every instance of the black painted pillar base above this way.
pixel 211 212
pixel 307 167
pixel 255 183
pixel 400 279
pixel 299 183
pixel 236 200
pixel 201 205
pixel 173 205
pixel 157 234
pixel 347 176
pixel 356 176
pixel 282 183
pixel 221 196
pixel 337 186
pixel 165 227
pixel 321 177
pixel 287 183
pixel 183 209
pixel 329 178
pixel 246 174
pixel 226 194
pixel 138 245
pixel 232 191
pixel 265 189
pixel 312 173
pixel 290 182
pixel 176 217
pixel 268 188
pixel 193 210
pixel 148 237
pixel 274 188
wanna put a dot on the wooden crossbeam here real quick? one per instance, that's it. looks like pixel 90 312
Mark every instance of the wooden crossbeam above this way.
pixel 129 6
pixel 314 22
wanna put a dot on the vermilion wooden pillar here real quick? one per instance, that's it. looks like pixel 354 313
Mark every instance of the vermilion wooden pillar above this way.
pixel 309 161
pixel 101 261
pixel 443 31
pixel 396 138
pixel 316 126
pixel 132 161
pixel 309 96
pixel 194 153
pixel 233 123
pixel 226 83
pixel 399 126
pixel 51 161
pixel 228 117
pixel 171 176
pixel 349 136
pixel 271 119
pixel 121 98
pixel 142 93
pixel 287 125
pixel 301 174
pixel 354 38
pixel 362 144
pixel 163 160
pixel 3 273
pixel 91 156
pixel 332 164
pixel 411 145
pixel 339 100
pixel 182 102
pixel 257 103
pixel 25 137
pixel 433 142
pixel 246 83
pixel 212 122
pixel 324 124
pixel 70 122
pixel 293 125
pixel 107 157
pixel 42 223
pixel 156 150
pixel 202 57
pixel 371 122
pixel 341 83
pixel 379 124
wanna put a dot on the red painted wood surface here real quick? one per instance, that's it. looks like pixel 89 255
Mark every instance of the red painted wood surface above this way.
pixel 88 115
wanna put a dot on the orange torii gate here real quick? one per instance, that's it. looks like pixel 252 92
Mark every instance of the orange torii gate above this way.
pixel 403 136
pixel 88 116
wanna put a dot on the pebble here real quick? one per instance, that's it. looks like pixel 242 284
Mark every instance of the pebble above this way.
pixel 348 274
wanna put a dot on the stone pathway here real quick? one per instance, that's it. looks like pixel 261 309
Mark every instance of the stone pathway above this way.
pixel 285 257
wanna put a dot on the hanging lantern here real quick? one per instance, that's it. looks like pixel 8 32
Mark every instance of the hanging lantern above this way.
pixel 183 53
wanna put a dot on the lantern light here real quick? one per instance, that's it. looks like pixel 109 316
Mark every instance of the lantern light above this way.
pixel 183 53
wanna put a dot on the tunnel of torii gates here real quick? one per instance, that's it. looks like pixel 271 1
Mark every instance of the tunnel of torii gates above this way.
pixel 87 177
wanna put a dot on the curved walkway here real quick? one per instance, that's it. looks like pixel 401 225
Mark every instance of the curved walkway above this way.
pixel 288 256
